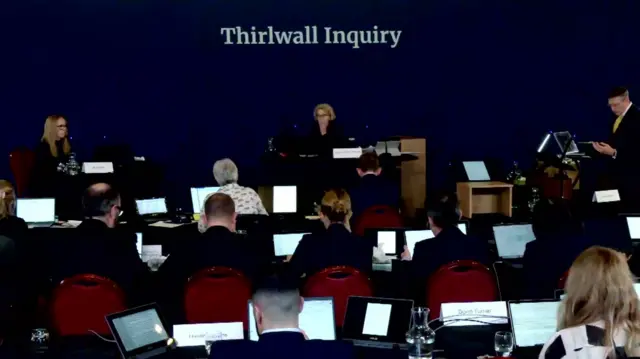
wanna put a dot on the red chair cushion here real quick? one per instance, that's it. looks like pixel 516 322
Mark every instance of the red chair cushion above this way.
pixel 21 162
pixel 377 217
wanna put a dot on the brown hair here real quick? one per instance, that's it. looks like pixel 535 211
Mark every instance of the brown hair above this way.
pixel 50 135
pixel 219 205
pixel 325 107
pixel 336 206
pixel 600 288
pixel 369 162
pixel 7 199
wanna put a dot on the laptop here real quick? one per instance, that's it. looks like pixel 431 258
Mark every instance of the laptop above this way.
pixel 317 319
pixel 199 195
pixel 476 171
pixel 533 323
pixel 140 332
pixel 412 237
pixel 512 239
pixel 377 322
pixel 285 244
pixel 633 224
pixel 151 206
pixel 37 212
pixel 285 199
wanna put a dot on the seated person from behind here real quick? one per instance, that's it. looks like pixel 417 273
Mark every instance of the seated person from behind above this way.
pixel 10 225
pixel 372 188
pixel 558 243
pixel 276 307
pixel 246 199
pixel 336 246
pixel 449 243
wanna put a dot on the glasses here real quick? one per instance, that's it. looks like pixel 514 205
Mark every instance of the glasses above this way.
pixel 503 344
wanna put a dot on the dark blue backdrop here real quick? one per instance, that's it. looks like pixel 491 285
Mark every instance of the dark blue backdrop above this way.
pixel 477 78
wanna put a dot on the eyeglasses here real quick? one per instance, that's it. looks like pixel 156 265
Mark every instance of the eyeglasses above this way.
pixel 61 126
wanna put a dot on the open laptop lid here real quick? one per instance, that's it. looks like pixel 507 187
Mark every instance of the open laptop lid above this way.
pixel 412 237
pixel 285 244
pixel 151 206
pixel 140 332
pixel 511 239
pixel 379 320
pixel 476 171
pixel 533 322
pixel 36 210
pixel 199 195
pixel 316 319
pixel 285 199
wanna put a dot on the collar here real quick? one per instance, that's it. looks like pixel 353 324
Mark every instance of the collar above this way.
pixel 337 227
pixel 213 229
pixel 231 185
pixel 628 107
pixel 282 330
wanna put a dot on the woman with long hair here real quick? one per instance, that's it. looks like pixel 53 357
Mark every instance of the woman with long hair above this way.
pixel 600 315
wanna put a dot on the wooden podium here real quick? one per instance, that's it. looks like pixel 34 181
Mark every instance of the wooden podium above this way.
pixel 485 197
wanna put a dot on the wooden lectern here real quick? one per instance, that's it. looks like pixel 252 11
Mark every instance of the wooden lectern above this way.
pixel 485 197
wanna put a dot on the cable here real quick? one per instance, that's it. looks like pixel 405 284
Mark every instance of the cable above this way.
pixel 101 337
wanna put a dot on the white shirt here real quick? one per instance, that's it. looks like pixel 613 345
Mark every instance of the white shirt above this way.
pixel 245 199
pixel 282 330
pixel 628 107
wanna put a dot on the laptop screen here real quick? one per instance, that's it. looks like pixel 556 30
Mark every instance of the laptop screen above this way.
pixel 533 322
pixel 633 223
pixel 199 195
pixel 512 240
pixel 286 244
pixel 387 241
pixel 36 210
pixel 139 243
pixel 476 171
pixel 285 199
pixel 413 237
pixel 377 319
pixel 151 206
pixel 139 329
pixel 316 319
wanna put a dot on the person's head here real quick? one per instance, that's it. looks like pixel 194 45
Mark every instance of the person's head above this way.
pixel 102 202
pixel 225 172
pixel 324 113
pixel 552 216
pixel 619 100
pixel 7 200
pixel 369 164
pixel 277 305
pixel 335 207
pixel 600 287
pixel 219 210
pixel 55 129
pixel 443 212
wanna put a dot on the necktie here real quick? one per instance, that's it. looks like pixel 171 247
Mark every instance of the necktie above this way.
pixel 617 123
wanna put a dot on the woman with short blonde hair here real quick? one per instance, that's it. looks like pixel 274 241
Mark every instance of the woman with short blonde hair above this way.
pixel 600 315
pixel 326 134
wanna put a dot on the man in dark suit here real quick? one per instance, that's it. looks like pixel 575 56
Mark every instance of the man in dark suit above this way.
pixel 372 188
pixel 276 307
pixel 218 246
pixel 97 247
pixel 623 147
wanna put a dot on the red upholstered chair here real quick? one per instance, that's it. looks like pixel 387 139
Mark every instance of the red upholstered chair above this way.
pixel 217 295
pixel 563 280
pixel 80 303
pixel 21 161
pixel 377 217
pixel 339 282
pixel 459 282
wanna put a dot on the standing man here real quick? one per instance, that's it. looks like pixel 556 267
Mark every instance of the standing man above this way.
pixel 623 147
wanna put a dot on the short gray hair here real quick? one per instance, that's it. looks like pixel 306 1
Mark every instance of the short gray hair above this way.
pixel 278 306
pixel 225 172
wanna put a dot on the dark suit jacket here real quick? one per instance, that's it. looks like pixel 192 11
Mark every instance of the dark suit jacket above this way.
pixel 334 247
pixel 45 175
pixel 282 345
pixel 373 190
pixel 626 140
pixel 13 227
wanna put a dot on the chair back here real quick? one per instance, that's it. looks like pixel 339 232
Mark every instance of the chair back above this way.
pixel 339 282
pixel 80 304
pixel 21 161
pixel 459 282
pixel 379 216
pixel 563 280
pixel 217 295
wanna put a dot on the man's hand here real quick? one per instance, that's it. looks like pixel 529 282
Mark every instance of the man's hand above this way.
pixel 406 256
pixel 604 148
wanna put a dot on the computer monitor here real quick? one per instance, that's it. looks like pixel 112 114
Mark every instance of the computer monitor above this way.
pixel 316 319
pixel 511 240
pixel 533 322
pixel 139 332
pixel 476 171
pixel 285 244
pixel 412 237
pixel 199 195
pixel 151 206
pixel 633 223
pixel 36 210
pixel 285 199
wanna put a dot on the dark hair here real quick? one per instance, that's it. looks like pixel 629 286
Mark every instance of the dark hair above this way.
pixel 369 162
pixel 618 91
pixel 219 205
pixel 444 210
pixel 552 216
pixel 98 200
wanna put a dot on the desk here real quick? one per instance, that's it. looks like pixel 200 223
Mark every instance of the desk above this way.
pixel 485 197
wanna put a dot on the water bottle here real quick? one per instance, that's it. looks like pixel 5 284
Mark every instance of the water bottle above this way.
pixel 73 167
pixel 420 337
pixel 535 197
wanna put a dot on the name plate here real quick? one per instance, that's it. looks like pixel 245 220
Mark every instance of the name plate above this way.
pixel 97 167
pixel 482 313
pixel 191 335
pixel 607 196
pixel 355 152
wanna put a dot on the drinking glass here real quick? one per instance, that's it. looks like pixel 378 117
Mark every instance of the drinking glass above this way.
pixel 503 344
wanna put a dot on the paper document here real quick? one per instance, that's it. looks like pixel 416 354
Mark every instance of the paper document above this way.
pixel 151 251
pixel 376 319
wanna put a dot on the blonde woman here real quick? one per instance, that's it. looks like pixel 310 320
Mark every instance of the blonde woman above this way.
pixel 600 314
pixel 325 135
pixel 334 246
pixel 52 156
pixel 10 225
